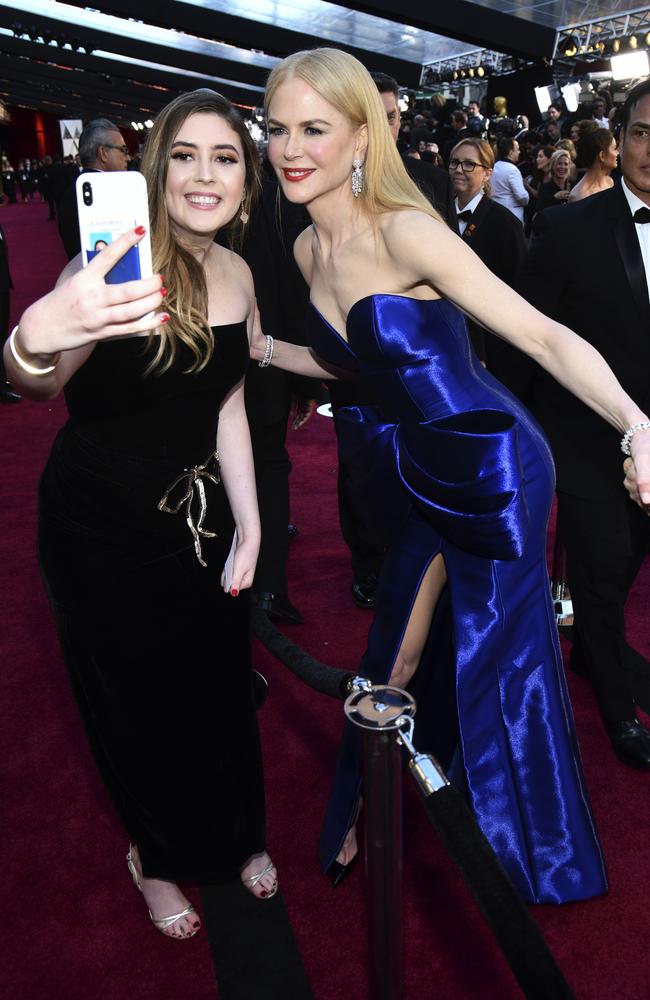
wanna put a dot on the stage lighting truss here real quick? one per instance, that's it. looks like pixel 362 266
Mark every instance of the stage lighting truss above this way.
pixel 468 67
pixel 61 39
pixel 603 37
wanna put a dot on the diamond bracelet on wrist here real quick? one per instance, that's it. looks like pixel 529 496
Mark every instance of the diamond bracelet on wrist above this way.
pixel 644 425
pixel 26 367
pixel 268 353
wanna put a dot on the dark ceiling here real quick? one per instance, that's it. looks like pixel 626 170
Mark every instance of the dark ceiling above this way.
pixel 108 74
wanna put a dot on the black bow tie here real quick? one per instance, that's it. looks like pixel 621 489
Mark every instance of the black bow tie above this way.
pixel 642 215
pixel 467 215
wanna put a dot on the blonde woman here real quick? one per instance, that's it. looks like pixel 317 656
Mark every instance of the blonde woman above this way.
pixel 557 189
pixel 158 652
pixel 455 473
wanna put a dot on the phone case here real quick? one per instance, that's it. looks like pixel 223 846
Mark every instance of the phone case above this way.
pixel 110 203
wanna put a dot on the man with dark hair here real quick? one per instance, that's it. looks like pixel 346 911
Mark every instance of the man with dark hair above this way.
pixel 458 122
pixel 606 536
pixel 101 147
pixel 434 183
pixel 476 122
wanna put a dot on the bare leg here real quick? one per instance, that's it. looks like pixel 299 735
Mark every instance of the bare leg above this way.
pixel 408 656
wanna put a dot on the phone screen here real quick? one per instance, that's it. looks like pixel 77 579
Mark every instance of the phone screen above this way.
pixel 127 268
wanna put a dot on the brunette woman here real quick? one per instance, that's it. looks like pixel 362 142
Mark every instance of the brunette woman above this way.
pixel 145 488
pixel 597 153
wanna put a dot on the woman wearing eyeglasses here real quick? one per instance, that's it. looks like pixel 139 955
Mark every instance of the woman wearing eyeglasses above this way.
pixel 493 233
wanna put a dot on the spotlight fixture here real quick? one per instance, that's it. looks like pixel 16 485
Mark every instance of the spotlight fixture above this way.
pixel 148 123
pixel 630 65
pixel 568 46
pixel 633 43
pixel 616 46
pixel 647 39
pixel 471 71
pixel 480 71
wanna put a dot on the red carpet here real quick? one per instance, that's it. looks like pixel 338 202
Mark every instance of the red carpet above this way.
pixel 75 929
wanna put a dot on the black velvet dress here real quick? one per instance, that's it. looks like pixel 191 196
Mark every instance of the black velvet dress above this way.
pixel 159 655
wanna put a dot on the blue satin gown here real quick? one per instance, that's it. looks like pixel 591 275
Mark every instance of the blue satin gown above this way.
pixel 449 462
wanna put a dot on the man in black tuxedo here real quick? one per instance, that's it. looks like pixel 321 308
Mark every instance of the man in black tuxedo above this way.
pixel 432 181
pixel 589 268
pixel 101 147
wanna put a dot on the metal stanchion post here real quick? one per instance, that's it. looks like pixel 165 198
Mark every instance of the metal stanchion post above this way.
pixel 377 711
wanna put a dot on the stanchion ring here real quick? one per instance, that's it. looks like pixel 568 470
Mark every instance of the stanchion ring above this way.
pixel 380 707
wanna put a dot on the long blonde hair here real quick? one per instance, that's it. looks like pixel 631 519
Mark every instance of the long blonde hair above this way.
pixel 187 294
pixel 345 83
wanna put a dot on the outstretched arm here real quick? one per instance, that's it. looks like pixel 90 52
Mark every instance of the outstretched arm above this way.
pixel 60 330
pixel 458 274
pixel 291 357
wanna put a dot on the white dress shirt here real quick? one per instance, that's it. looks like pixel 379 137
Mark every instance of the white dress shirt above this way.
pixel 471 206
pixel 508 188
pixel 642 229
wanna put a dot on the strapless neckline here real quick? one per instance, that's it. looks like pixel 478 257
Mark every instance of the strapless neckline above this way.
pixel 366 298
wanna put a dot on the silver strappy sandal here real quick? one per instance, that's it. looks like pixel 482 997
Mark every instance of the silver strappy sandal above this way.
pixel 251 881
pixel 164 923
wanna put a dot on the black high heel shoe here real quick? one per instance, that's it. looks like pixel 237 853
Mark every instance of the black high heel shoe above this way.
pixel 337 872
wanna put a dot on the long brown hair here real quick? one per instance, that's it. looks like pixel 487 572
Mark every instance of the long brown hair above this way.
pixel 345 83
pixel 187 294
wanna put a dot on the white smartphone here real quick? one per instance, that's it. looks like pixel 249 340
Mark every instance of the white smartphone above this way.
pixel 110 203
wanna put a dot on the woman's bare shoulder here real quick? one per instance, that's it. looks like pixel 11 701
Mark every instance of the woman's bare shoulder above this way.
pixel 303 253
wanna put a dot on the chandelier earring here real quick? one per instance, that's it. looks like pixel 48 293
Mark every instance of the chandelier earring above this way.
pixel 357 177
pixel 243 215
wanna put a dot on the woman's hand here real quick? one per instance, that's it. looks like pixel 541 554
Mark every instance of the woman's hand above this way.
pixel 258 339
pixel 637 470
pixel 83 309
pixel 243 570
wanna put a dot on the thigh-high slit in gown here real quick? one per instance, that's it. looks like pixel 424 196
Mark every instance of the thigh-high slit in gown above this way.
pixel 447 461
pixel 158 654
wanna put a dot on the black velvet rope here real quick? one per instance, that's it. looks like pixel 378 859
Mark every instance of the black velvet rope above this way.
pixel 514 929
pixel 319 676
pixel 507 915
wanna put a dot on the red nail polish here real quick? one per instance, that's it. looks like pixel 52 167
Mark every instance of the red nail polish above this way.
pixel 163 291
pixel 140 230
pixel 233 592
pixel 164 318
